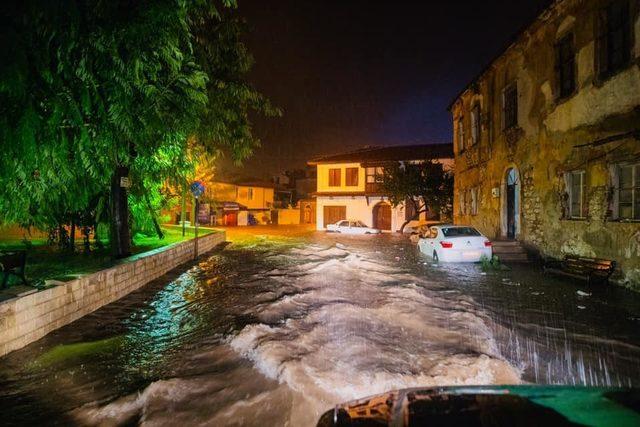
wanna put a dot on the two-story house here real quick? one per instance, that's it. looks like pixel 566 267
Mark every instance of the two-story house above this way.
pixel 230 204
pixel 348 184
pixel 243 203
pixel 547 137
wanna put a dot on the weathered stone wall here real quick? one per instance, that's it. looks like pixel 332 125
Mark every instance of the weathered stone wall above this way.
pixel 553 137
pixel 26 319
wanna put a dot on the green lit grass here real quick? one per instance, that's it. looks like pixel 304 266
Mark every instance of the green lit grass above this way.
pixel 45 262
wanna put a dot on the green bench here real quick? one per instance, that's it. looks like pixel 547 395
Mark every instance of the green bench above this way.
pixel 12 263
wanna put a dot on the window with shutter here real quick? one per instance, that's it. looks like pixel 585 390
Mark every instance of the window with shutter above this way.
pixel 614 38
pixel 565 67
pixel 510 106
pixel 463 203
pixel 475 124
pixel 352 177
pixel 474 201
pixel 460 135
pixel 334 178
pixel 629 192
pixel 576 184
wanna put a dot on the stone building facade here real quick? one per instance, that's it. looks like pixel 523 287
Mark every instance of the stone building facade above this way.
pixel 547 137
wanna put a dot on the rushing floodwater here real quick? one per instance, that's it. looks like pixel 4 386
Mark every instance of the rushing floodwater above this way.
pixel 274 332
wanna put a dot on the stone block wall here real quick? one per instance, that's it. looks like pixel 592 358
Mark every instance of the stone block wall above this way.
pixel 26 319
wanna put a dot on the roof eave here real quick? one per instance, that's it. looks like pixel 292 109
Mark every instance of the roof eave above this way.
pixel 513 41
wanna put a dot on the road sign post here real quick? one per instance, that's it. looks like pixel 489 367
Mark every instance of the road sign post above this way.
pixel 197 189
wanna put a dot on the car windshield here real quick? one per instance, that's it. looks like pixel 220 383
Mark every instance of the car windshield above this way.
pixel 360 224
pixel 460 232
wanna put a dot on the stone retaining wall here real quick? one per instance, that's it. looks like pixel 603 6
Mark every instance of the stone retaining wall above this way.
pixel 26 319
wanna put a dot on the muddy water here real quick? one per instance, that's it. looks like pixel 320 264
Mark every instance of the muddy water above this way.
pixel 274 331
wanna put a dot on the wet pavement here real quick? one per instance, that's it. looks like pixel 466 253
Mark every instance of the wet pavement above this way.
pixel 279 326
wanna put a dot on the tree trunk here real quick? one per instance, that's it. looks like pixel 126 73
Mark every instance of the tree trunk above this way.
pixel 153 216
pixel 183 212
pixel 120 235
pixel 72 235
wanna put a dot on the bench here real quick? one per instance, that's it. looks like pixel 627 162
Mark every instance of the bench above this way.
pixel 593 270
pixel 12 263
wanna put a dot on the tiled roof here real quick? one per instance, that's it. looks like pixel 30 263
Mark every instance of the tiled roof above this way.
pixel 261 184
pixel 392 153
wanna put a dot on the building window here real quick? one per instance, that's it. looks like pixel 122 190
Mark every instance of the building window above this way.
pixel 629 191
pixel 334 178
pixel 250 194
pixel 614 38
pixel 510 106
pixel 565 66
pixel 352 177
pixel 460 135
pixel 474 201
pixel 475 124
pixel 463 202
pixel 576 185
pixel 374 176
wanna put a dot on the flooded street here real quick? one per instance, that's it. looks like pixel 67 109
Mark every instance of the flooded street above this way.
pixel 274 330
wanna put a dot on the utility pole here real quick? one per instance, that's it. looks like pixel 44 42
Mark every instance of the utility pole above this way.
pixel 197 189
pixel 183 212
pixel 195 240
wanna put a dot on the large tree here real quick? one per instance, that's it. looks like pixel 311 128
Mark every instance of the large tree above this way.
pixel 100 90
pixel 423 186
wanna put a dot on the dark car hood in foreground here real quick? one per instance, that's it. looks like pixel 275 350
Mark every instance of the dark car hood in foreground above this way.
pixel 491 406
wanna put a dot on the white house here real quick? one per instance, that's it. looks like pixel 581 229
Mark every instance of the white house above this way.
pixel 348 184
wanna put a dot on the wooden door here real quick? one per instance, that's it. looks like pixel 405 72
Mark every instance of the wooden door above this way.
pixel 307 214
pixel 382 217
pixel 231 219
pixel 333 214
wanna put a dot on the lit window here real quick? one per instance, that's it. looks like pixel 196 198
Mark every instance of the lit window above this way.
pixel 371 175
pixel 575 184
pixel 629 192
pixel 250 194
pixel 379 174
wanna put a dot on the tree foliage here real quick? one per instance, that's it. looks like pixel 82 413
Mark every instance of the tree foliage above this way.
pixel 95 85
pixel 427 186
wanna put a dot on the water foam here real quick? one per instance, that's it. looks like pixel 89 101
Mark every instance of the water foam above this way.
pixel 358 326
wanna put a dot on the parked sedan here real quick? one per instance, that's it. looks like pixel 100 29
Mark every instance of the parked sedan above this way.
pixel 352 227
pixel 454 243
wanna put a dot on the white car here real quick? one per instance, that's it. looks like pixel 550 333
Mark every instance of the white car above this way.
pixel 455 243
pixel 352 227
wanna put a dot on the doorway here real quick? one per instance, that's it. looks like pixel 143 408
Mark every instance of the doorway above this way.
pixel 511 216
pixel 382 217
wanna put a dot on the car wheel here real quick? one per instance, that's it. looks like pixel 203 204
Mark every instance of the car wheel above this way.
pixel 435 256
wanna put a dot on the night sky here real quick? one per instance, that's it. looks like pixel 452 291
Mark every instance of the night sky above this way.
pixel 353 73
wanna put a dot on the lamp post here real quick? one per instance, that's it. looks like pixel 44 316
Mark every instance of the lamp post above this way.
pixel 197 189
